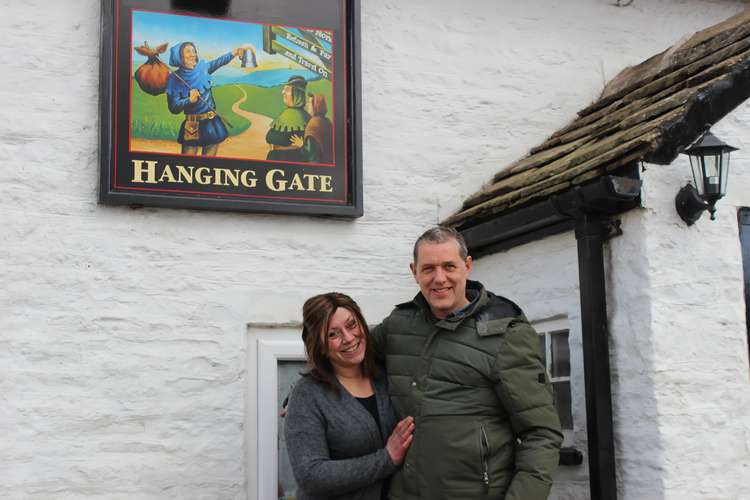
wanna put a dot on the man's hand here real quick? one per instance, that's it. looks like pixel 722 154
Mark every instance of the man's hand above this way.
pixel 239 50
pixel 194 95
pixel 400 440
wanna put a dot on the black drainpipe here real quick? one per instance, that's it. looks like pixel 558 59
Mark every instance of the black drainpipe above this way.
pixel 587 209
pixel 591 232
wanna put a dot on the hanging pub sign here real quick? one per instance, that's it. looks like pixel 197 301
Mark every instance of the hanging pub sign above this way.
pixel 245 105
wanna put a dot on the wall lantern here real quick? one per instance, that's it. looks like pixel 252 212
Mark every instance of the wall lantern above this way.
pixel 709 161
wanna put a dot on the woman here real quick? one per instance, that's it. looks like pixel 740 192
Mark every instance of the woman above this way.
pixel 189 91
pixel 340 429
pixel 317 145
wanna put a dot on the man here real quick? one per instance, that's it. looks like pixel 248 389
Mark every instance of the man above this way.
pixel 466 364
pixel 189 91
pixel 290 122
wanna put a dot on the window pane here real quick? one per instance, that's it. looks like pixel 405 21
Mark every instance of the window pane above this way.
pixel 562 403
pixel 560 354
pixel 543 349
pixel 288 374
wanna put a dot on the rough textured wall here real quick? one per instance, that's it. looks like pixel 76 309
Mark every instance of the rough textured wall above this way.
pixel 695 359
pixel 121 331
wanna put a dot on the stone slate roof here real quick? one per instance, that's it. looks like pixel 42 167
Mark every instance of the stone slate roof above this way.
pixel 649 112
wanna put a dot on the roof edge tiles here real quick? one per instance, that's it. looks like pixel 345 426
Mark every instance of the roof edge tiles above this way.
pixel 648 112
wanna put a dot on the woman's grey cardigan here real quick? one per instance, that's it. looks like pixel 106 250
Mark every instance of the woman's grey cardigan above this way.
pixel 335 448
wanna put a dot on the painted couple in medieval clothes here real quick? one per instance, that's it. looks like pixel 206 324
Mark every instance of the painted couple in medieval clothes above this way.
pixel 301 133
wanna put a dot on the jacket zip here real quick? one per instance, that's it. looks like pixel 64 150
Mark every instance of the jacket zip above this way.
pixel 484 446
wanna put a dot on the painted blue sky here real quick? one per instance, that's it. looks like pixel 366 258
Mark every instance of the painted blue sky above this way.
pixel 212 37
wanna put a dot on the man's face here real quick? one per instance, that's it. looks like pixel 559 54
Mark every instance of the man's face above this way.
pixel 441 275
pixel 189 56
pixel 286 96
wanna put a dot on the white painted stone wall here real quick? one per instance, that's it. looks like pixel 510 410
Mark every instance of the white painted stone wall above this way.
pixel 681 349
pixel 122 356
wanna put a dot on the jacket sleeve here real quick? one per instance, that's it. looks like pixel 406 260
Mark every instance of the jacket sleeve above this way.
pixel 314 470
pixel 526 394
pixel 219 62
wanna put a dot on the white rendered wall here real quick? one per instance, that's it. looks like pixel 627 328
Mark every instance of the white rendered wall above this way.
pixel 680 338
pixel 122 332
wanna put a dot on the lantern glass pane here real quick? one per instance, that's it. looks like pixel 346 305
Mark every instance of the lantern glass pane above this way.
pixel 724 173
pixel 712 169
pixel 695 167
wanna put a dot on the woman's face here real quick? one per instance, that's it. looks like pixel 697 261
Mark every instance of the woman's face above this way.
pixel 189 56
pixel 345 340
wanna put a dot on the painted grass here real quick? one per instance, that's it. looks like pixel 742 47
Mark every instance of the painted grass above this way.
pixel 153 120
pixel 225 96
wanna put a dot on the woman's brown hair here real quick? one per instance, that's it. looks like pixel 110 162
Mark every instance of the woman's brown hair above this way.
pixel 316 315
pixel 319 106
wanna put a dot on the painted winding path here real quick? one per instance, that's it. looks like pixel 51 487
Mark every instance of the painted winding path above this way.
pixel 250 144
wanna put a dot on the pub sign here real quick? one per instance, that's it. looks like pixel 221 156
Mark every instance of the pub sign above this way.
pixel 245 105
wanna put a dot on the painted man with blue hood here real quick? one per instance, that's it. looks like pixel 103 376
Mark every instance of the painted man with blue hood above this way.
pixel 189 91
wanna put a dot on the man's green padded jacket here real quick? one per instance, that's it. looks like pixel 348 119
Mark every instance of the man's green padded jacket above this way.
pixel 477 388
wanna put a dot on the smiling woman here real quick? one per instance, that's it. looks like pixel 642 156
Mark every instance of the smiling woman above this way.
pixel 341 431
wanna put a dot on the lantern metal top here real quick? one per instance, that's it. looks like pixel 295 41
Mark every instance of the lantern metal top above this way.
pixel 709 143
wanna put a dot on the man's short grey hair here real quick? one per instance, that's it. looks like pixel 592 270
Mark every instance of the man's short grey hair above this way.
pixel 441 234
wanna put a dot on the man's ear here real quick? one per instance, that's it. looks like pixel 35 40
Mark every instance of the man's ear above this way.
pixel 413 270
pixel 469 264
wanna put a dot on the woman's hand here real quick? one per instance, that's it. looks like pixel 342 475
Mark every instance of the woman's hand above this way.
pixel 400 440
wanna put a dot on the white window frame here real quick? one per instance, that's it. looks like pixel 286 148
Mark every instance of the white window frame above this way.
pixel 267 345
pixel 547 328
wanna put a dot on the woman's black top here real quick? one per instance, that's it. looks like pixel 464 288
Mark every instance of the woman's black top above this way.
pixel 371 405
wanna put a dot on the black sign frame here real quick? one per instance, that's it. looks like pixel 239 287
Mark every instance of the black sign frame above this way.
pixel 286 187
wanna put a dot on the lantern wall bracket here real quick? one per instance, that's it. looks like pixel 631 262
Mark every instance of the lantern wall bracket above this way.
pixel 690 205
